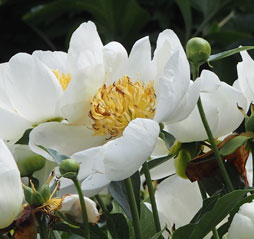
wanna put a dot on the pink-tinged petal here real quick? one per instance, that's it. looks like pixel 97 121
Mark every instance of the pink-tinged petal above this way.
pixel 63 138
pixel 32 88
pixel 11 196
pixel 124 156
pixel 53 59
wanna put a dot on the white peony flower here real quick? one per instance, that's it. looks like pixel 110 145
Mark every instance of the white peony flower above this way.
pixel 11 195
pixel 71 206
pixel 242 226
pixel 112 111
pixel 220 102
pixel 246 75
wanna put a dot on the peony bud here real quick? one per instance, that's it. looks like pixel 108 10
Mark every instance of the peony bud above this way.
pixel 69 168
pixel 198 50
pixel 28 162
pixel 181 162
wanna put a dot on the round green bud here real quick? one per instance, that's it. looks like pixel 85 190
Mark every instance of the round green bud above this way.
pixel 198 50
pixel 69 168
pixel 181 162
pixel 27 161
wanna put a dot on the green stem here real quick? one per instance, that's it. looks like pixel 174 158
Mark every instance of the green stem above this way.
pixel 204 196
pixel 83 207
pixel 42 226
pixel 195 71
pixel 101 204
pixel 133 207
pixel 152 198
pixel 215 233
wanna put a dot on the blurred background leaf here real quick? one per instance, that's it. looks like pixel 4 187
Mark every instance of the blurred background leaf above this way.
pixel 28 25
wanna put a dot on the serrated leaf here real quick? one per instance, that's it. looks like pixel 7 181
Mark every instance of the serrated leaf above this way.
pixel 54 154
pixel 228 53
pixel 223 206
pixel 234 144
pixel 117 190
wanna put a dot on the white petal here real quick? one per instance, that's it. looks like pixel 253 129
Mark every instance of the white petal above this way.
pixel 4 100
pixel 32 88
pixel 246 75
pixel 220 104
pixel 171 87
pixel 55 60
pixel 71 206
pixel 140 65
pixel 186 104
pixel 115 59
pixel 164 169
pixel 167 44
pixel 12 125
pixel 85 40
pixel 123 156
pixel 11 196
pixel 178 200
pixel 63 138
pixel 75 102
pixel 242 226
pixel 94 184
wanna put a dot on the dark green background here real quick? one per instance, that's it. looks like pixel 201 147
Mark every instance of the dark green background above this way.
pixel 28 25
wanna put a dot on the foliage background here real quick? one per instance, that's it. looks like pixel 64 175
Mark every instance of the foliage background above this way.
pixel 28 25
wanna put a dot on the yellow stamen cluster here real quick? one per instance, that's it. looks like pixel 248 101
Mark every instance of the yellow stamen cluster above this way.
pixel 64 79
pixel 114 106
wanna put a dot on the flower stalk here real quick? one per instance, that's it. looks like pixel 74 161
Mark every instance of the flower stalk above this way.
pixel 152 197
pixel 195 72
pixel 133 207
pixel 83 207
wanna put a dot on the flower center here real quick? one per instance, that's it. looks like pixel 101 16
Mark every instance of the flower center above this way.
pixel 64 79
pixel 114 106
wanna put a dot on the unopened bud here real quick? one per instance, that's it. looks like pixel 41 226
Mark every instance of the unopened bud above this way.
pixel 198 50
pixel 69 168
pixel 28 162
pixel 181 162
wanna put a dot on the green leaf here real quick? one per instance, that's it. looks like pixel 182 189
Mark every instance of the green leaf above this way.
pixel 158 234
pixel 212 217
pixel 118 226
pixel 147 222
pixel 55 155
pixel 168 138
pixel 117 190
pixel 228 53
pixel 232 145
pixel 157 161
